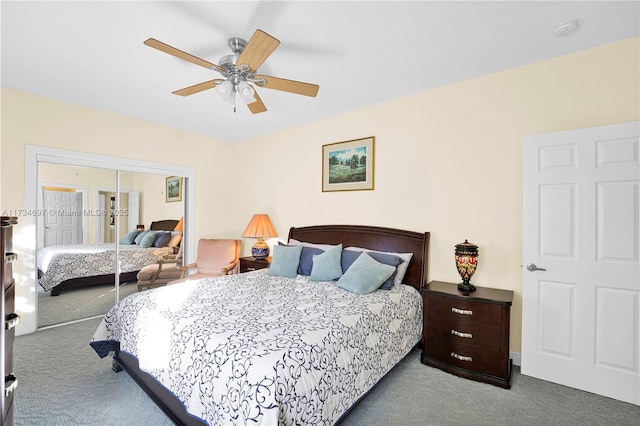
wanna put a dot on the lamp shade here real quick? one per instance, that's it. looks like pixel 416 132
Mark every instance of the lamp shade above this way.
pixel 260 227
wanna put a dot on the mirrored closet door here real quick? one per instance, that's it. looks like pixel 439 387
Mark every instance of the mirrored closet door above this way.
pixel 88 211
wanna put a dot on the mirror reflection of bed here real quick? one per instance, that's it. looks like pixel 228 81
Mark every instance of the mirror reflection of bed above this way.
pixel 142 201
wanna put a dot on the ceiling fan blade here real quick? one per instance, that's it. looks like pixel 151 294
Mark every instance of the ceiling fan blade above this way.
pixel 297 87
pixel 259 47
pixel 196 88
pixel 257 106
pixel 163 47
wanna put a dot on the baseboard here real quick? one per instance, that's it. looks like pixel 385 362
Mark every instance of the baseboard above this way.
pixel 515 356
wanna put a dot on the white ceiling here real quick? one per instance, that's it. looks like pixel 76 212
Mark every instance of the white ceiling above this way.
pixel 360 53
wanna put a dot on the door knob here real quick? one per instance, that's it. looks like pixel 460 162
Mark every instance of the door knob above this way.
pixel 532 267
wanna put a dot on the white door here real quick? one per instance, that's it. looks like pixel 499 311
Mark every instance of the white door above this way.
pixel 62 218
pixel 581 310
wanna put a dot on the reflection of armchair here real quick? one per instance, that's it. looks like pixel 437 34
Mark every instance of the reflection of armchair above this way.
pixel 215 257
pixel 168 268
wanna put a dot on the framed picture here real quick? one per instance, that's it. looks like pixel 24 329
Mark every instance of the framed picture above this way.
pixel 348 166
pixel 173 191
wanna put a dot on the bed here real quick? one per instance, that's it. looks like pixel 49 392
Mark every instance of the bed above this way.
pixel 63 267
pixel 264 349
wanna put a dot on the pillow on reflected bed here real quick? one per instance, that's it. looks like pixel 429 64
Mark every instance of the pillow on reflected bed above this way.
pixel 162 239
pixel 148 239
pixel 129 238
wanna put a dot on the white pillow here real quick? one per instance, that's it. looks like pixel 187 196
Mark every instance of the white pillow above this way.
pixel 176 237
pixel 323 247
pixel 401 270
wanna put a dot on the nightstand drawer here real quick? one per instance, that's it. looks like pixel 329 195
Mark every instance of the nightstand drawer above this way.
pixel 480 336
pixel 465 356
pixel 456 311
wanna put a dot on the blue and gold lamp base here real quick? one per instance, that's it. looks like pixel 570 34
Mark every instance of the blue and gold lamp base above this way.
pixel 260 249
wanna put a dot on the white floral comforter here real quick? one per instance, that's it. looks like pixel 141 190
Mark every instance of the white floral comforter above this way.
pixel 257 349
pixel 63 262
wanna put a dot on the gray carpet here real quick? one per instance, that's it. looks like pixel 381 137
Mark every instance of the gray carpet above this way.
pixel 80 303
pixel 63 382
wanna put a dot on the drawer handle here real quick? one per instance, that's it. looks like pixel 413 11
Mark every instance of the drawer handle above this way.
pixel 11 321
pixel 10 257
pixel 10 384
pixel 461 334
pixel 461 311
pixel 461 357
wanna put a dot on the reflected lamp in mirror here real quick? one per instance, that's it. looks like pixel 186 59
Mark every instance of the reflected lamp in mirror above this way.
pixel 260 227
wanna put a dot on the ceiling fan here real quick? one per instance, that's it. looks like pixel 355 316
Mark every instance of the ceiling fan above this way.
pixel 239 70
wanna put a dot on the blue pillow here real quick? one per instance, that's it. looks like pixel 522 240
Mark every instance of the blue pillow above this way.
pixel 349 256
pixel 148 239
pixel 129 238
pixel 306 258
pixel 285 260
pixel 365 275
pixel 326 266
pixel 162 239
pixel 140 236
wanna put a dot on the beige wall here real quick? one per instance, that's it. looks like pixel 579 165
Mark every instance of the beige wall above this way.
pixel 448 161
pixel 153 204
pixel 34 120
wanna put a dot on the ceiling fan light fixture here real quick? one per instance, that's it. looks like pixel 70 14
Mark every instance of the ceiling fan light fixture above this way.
pixel 226 92
pixel 245 92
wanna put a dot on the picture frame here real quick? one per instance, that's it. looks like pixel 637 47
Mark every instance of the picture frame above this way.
pixel 173 189
pixel 348 165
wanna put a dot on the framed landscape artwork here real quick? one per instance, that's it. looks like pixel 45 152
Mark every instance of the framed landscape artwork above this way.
pixel 348 166
pixel 173 190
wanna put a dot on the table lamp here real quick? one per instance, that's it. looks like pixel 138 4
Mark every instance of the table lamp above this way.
pixel 260 227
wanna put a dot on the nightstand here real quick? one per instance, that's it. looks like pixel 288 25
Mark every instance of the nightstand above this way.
pixel 249 263
pixel 467 334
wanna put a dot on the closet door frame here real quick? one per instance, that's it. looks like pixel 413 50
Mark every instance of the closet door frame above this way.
pixel 35 154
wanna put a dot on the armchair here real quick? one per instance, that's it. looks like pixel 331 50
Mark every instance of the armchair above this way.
pixel 215 257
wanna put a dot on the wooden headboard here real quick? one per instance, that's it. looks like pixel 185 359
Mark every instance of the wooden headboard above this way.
pixel 374 238
pixel 164 225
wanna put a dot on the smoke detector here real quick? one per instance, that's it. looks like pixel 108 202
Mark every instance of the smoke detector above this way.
pixel 566 28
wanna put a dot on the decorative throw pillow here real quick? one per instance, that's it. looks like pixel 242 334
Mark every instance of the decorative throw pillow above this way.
pixel 326 266
pixel 129 238
pixel 349 256
pixel 148 239
pixel 402 268
pixel 306 258
pixel 162 239
pixel 285 260
pixel 365 275
pixel 140 236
